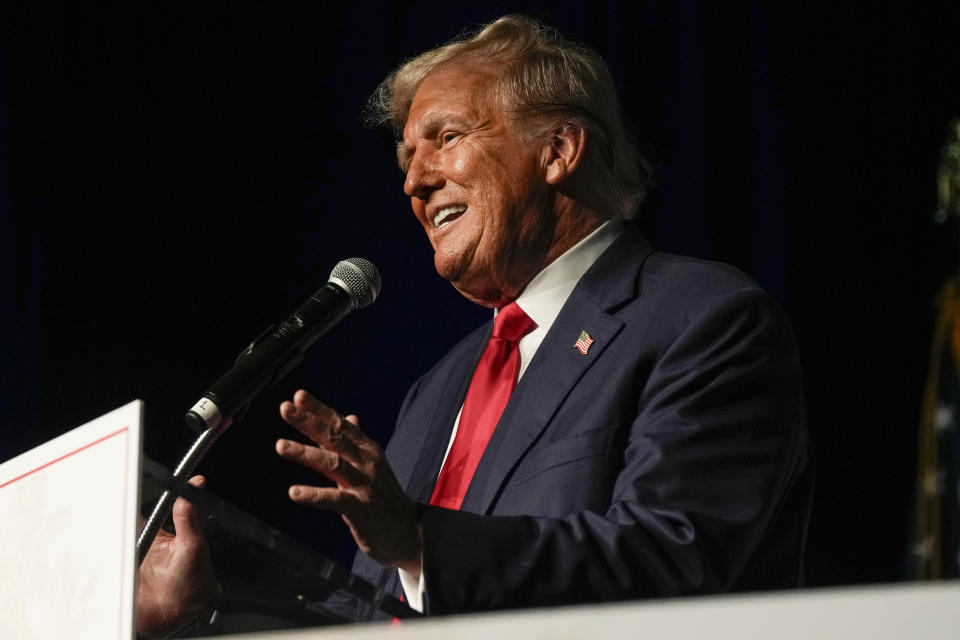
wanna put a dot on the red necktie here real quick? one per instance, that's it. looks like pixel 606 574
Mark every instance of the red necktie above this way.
pixel 490 389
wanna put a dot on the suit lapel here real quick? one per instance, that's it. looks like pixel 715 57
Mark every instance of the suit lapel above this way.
pixel 558 365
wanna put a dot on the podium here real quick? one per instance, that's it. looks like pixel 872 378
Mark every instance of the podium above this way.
pixel 67 542
pixel 891 612
pixel 68 554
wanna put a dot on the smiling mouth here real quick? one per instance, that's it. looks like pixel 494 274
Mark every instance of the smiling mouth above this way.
pixel 448 214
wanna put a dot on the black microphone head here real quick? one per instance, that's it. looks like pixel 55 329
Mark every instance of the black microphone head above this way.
pixel 360 278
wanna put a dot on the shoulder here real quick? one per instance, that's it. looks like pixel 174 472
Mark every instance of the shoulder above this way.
pixel 666 276
pixel 632 270
pixel 677 296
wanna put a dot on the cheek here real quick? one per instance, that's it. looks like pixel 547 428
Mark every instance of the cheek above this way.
pixel 460 165
pixel 471 165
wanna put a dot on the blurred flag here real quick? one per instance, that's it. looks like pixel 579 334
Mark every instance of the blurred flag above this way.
pixel 935 552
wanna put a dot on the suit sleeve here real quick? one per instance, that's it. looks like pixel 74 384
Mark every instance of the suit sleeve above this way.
pixel 710 456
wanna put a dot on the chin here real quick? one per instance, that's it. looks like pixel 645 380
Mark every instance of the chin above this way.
pixel 445 269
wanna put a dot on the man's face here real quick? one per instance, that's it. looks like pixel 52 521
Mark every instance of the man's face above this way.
pixel 477 188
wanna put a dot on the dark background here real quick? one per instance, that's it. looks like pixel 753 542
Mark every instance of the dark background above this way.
pixel 175 176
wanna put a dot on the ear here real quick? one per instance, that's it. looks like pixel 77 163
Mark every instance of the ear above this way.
pixel 564 151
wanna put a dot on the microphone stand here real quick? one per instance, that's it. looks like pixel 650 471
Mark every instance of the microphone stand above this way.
pixel 183 471
pixel 198 450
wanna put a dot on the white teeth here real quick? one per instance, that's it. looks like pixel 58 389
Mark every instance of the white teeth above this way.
pixel 446 212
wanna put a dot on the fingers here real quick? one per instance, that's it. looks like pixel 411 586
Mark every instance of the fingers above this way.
pixel 326 427
pixel 330 498
pixel 328 463
pixel 185 518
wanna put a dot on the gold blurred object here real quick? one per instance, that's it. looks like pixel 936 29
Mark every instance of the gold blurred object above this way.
pixel 948 176
pixel 938 411
pixel 935 416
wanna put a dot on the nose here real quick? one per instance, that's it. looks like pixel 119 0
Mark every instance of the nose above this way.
pixel 423 175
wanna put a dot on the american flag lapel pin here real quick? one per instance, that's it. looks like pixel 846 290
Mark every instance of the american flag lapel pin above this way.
pixel 583 343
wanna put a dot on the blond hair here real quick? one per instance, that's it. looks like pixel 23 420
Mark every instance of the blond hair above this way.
pixel 544 82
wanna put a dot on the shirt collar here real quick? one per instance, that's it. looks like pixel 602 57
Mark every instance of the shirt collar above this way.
pixel 546 294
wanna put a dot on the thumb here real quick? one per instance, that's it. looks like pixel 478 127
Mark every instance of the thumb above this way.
pixel 185 518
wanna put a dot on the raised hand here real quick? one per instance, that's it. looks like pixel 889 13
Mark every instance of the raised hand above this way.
pixel 383 520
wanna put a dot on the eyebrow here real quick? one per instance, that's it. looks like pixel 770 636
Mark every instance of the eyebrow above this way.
pixel 404 155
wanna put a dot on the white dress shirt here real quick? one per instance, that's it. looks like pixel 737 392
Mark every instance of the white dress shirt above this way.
pixel 542 300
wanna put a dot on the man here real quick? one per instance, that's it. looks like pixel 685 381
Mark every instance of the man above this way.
pixel 653 443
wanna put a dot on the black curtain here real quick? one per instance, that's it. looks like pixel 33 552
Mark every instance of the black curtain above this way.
pixel 176 176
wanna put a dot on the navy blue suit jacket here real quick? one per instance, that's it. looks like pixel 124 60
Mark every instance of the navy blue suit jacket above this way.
pixel 670 459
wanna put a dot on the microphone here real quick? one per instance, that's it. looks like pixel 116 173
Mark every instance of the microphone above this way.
pixel 354 283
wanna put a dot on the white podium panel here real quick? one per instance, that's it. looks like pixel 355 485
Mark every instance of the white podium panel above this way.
pixel 67 544
pixel 878 613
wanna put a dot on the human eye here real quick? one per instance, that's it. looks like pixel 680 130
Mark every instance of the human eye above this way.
pixel 449 137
